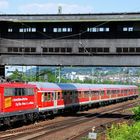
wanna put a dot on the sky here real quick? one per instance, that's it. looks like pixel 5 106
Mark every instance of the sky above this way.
pixel 68 6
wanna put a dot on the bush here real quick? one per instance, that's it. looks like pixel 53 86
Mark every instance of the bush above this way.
pixel 124 132
pixel 136 112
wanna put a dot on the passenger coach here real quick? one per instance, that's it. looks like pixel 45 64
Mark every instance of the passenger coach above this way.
pixel 27 102
pixel 54 98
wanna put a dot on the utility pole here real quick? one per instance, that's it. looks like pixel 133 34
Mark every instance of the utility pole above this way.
pixel 92 75
pixel 59 74
pixel 37 73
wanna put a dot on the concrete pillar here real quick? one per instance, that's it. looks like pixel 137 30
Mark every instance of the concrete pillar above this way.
pixel 2 71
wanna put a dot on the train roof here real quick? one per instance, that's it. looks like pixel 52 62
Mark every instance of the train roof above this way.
pixel 77 86
pixel 16 84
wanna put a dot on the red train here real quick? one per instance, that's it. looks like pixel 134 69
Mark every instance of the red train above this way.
pixel 29 101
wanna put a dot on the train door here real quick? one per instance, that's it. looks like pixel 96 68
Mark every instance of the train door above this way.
pixel 89 95
pixel 55 96
pixel 73 97
pixel 1 98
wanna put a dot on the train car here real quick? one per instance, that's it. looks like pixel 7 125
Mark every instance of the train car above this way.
pixel 17 102
pixel 53 98
pixel 28 101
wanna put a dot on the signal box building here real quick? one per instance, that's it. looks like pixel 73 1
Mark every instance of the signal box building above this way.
pixel 108 39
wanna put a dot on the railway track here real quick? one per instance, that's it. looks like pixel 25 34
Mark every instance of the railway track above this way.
pixel 40 131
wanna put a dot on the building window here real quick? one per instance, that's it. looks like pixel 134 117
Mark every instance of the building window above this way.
pixel 88 49
pixel 59 30
pixel 27 50
pixel 10 50
pixel 118 50
pixel 128 50
pixel 127 29
pixel 10 30
pixel 51 50
pixel 81 50
pixel 94 50
pixel 54 30
pixel 69 50
pixel 131 49
pixel 125 49
pixel 99 29
pixel 99 49
pixel 106 49
pixel 56 49
pixel 63 49
pixel 137 49
pixel 16 49
pixel 44 29
pixel 45 49
pixel 33 49
pixel 21 30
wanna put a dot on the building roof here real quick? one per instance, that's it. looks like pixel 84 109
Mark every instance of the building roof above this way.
pixel 96 17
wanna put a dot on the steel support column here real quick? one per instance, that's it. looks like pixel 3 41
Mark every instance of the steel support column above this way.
pixel 2 71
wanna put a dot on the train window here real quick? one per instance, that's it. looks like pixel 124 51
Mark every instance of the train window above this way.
pixel 82 94
pixel 86 93
pixel 58 95
pixel 18 92
pixel 44 97
pixel 113 91
pixel 94 93
pixel 49 96
pixel 108 92
pixel 8 91
pixel 76 94
pixel 29 91
pixel 117 91
pixel 102 92
pixel 64 94
pixel 70 93
pixel 79 94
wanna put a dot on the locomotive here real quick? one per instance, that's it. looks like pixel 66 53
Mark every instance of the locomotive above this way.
pixel 28 102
